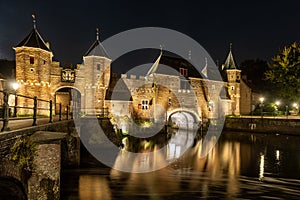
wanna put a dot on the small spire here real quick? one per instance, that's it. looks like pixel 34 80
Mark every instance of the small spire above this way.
pixel 97 34
pixel 161 48
pixel 230 46
pixel 33 20
pixel 205 61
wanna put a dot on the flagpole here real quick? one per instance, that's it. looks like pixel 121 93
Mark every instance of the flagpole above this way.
pixel 152 72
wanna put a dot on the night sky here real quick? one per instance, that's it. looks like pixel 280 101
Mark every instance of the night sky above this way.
pixel 256 29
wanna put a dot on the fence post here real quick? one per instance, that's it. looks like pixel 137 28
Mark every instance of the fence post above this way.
pixel 50 120
pixel 34 110
pixel 67 117
pixel 71 113
pixel 5 111
pixel 59 112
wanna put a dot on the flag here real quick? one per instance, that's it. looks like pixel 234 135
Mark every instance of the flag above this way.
pixel 154 66
pixel 204 70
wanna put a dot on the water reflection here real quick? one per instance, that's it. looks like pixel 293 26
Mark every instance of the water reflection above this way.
pixel 91 187
pixel 240 166
pixel 261 167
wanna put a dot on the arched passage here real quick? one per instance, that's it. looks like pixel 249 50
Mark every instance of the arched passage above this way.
pixel 67 96
pixel 184 119
pixel 11 189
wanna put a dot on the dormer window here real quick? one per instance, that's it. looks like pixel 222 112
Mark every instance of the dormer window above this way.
pixel 31 60
pixel 183 72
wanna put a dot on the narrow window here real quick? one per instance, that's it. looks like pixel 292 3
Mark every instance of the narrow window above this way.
pixel 31 60
pixel 145 104
pixel 183 72
pixel 98 67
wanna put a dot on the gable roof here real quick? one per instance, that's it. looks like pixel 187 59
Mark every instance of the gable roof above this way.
pixel 118 90
pixel 34 39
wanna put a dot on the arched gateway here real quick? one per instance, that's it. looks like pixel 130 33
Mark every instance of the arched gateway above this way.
pixel 183 118
pixel 38 75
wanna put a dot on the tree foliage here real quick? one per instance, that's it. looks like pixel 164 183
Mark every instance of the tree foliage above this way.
pixel 284 72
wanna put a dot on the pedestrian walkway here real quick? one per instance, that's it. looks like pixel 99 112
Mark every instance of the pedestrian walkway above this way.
pixel 23 122
pixel 272 117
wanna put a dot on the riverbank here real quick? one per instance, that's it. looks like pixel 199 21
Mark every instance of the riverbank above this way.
pixel 279 125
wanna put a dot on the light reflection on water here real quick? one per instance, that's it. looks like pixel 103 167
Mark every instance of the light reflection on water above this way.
pixel 242 165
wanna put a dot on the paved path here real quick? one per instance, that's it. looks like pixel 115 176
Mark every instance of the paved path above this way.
pixel 18 123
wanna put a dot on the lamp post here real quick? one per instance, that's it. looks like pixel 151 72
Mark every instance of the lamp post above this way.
pixel 15 87
pixel 261 99
pixel 286 111
pixel 296 107
pixel 168 105
pixel 277 103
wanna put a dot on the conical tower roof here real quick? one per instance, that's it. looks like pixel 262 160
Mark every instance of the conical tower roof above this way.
pixel 230 62
pixel 34 39
pixel 97 49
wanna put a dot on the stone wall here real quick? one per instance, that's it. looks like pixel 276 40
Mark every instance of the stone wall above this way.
pixel 33 73
pixel 263 125
pixel 246 98
pixel 52 155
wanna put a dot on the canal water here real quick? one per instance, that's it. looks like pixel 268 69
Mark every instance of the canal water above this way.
pixel 240 166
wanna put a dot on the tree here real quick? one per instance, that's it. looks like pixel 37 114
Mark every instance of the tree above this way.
pixel 284 72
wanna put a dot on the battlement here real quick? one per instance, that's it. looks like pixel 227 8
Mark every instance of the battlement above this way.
pixel 132 77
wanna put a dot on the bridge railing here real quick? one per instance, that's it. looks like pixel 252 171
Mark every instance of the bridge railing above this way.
pixel 37 108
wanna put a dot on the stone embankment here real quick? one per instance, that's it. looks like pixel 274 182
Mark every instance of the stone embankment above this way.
pixel 264 125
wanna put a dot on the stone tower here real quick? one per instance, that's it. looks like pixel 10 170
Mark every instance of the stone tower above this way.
pixel 33 70
pixel 94 77
pixel 233 75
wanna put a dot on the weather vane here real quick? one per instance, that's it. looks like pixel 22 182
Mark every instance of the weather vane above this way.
pixel 33 19
pixel 97 33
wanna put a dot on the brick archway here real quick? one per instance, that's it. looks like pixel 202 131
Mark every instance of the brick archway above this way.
pixel 184 118
pixel 193 113
pixel 67 98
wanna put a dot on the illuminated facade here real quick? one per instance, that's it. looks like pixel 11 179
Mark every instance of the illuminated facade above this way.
pixel 93 85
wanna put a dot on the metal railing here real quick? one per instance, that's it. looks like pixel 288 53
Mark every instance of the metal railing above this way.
pixel 5 109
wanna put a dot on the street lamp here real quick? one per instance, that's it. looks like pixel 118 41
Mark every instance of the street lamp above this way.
pixel 277 103
pixel 261 99
pixel 15 87
pixel 296 107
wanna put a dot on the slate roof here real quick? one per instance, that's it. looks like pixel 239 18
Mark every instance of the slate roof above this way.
pixel 230 62
pixel 118 90
pixel 97 49
pixel 34 39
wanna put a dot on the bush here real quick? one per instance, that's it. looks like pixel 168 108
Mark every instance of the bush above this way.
pixel 22 152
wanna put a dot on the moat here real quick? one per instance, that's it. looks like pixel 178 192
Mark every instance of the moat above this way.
pixel 240 166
